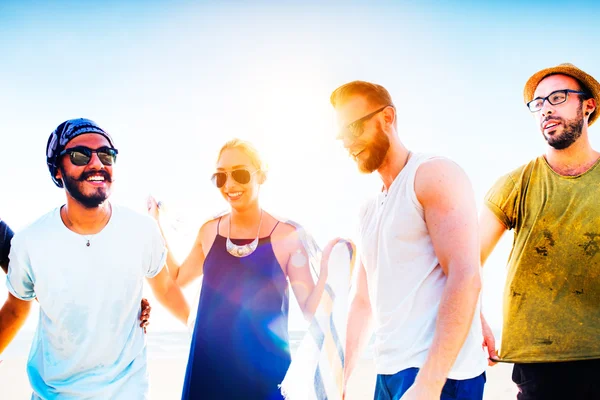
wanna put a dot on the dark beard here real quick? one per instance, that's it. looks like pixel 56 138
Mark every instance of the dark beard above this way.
pixel 571 132
pixel 71 186
pixel 377 150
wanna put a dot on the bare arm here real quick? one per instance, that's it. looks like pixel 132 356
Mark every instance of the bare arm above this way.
pixel 12 317
pixel 192 267
pixel 490 232
pixel 169 295
pixel 306 291
pixel 360 316
pixel 450 214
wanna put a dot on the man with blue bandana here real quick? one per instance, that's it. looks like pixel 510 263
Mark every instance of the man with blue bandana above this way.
pixel 85 262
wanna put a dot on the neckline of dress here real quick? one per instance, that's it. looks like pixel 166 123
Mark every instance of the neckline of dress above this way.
pixel 260 238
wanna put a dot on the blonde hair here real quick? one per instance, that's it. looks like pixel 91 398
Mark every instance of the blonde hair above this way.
pixel 248 149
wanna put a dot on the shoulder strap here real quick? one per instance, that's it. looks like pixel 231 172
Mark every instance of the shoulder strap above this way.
pixel 273 230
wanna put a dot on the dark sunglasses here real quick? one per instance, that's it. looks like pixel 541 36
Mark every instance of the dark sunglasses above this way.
pixel 356 128
pixel 81 155
pixel 241 176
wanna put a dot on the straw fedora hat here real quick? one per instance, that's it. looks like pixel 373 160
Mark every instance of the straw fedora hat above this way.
pixel 587 80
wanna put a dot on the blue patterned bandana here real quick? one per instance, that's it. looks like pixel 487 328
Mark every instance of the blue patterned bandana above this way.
pixel 63 134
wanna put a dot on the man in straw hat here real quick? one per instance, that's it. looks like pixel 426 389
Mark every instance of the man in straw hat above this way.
pixel 419 279
pixel 551 326
pixel 85 262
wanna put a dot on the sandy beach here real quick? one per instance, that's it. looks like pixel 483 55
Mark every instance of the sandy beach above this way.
pixel 167 357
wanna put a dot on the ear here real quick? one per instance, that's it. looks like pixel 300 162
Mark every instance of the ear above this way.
pixel 389 114
pixel 590 106
pixel 262 177
pixel 58 174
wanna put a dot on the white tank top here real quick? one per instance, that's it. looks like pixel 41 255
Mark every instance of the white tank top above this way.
pixel 406 282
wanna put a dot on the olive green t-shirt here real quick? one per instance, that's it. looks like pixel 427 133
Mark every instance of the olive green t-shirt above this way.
pixel 552 292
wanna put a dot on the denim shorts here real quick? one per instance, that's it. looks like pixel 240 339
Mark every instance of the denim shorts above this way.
pixel 392 387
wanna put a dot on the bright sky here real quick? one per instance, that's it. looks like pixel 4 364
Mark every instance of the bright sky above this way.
pixel 172 81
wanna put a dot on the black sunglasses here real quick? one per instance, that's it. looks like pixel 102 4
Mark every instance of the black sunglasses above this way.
pixel 356 128
pixel 241 176
pixel 81 155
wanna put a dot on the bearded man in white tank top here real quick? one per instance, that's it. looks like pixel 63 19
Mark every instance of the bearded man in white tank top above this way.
pixel 418 282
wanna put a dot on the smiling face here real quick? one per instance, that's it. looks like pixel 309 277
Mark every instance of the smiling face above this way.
pixel 562 124
pixel 90 185
pixel 239 195
pixel 371 147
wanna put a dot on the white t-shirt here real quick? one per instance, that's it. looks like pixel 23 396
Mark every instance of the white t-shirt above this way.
pixel 88 342
pixel 406 282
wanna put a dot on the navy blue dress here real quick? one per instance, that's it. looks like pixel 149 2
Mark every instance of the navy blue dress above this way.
pixel 240 345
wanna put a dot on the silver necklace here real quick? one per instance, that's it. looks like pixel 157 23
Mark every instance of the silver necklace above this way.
pixel 246 249
pixel 87 238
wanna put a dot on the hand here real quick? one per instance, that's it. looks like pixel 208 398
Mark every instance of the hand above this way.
pixel 145 314
pixel 421 392
pixel 324 271
pixel 489 341
pixel 153 207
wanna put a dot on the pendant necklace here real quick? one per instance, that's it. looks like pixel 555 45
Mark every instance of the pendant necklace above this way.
pixel 246 249
pixel 87 238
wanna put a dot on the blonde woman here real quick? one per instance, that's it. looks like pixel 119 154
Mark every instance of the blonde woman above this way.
pixel 247 257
